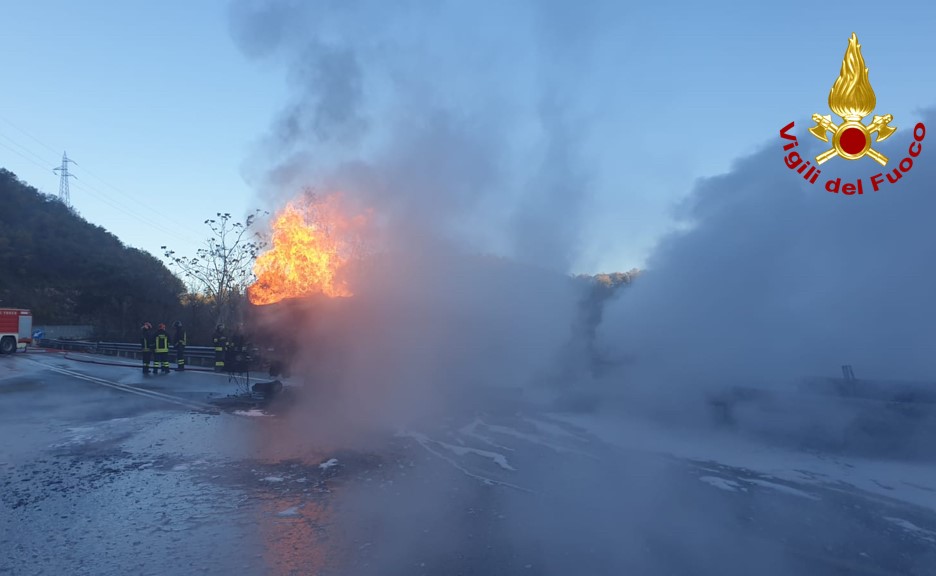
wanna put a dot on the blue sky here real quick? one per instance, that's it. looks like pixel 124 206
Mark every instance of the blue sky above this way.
pixel 153 101
pixel 163 111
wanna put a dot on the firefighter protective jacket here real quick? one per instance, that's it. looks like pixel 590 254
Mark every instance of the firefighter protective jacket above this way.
pixel 162 341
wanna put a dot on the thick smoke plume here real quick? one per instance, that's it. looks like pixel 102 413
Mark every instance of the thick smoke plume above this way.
pixel 779 279
pixel 425 336
pixel 454 121
pixel 779 282
pixel 464 130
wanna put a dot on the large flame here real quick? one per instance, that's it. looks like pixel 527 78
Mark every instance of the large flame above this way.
pixel 312 241
pixel 851 96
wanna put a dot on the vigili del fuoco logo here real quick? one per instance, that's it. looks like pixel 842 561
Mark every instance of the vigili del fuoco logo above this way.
pixel 852 98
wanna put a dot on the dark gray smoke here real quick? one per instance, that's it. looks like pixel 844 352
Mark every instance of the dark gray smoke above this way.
pixel 463 130
pixel 463 123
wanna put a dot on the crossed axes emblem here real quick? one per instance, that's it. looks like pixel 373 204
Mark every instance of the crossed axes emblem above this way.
pixel 878 124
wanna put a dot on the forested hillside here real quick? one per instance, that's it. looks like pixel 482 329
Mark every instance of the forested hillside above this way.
pixel 69 271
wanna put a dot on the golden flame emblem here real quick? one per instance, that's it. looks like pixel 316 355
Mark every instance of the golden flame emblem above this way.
pixel 852 98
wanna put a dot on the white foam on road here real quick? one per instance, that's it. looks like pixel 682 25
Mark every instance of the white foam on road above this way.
pixel 723 484
pixel 330 463
pixel 253 413
pixel 497 458
pixel 427 444
pixel 913 483
pixel 471 430
pixel 908 526
pixel 780 488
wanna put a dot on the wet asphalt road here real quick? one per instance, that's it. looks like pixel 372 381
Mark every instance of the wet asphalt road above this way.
pixel 103 471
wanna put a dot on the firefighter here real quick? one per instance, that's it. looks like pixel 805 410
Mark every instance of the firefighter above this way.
pixel 146 345
pixel 162 350
pixel 219 340
pixel 179 341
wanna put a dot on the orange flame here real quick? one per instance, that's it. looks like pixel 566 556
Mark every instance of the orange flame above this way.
pixel 851 96
pixel 311 244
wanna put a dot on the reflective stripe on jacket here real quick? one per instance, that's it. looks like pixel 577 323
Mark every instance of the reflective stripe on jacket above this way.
pixel 162 343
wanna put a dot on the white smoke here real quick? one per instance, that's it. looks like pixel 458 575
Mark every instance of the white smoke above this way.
pixel 464 129
pixel 777 279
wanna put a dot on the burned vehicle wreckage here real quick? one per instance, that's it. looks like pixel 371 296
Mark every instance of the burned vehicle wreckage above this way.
pixel 262 360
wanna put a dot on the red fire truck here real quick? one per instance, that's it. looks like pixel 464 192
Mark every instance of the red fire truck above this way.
pixel 15 329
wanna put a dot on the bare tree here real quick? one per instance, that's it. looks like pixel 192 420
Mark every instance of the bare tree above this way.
pixel 223 269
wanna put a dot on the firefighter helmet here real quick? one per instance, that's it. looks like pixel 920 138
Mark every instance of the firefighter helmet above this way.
pixel 146 326
pixel 219 328
pixel 177 324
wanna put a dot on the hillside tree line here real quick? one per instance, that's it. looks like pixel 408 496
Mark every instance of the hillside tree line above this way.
pixel 71 272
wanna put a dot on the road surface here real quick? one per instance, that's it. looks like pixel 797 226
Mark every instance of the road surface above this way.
pixel 106 471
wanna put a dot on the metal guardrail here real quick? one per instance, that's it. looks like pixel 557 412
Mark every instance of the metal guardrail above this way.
pixel 117 348
pixel 203 356
pixel 194 355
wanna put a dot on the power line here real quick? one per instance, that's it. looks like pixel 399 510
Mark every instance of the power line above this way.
pixel 125 194
pixel 110 202
pixel 38 141
pixel 24 157
pixel 84 170
pixel 175 234
pixel 64 192
pixel 184 235
pixel 41 160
